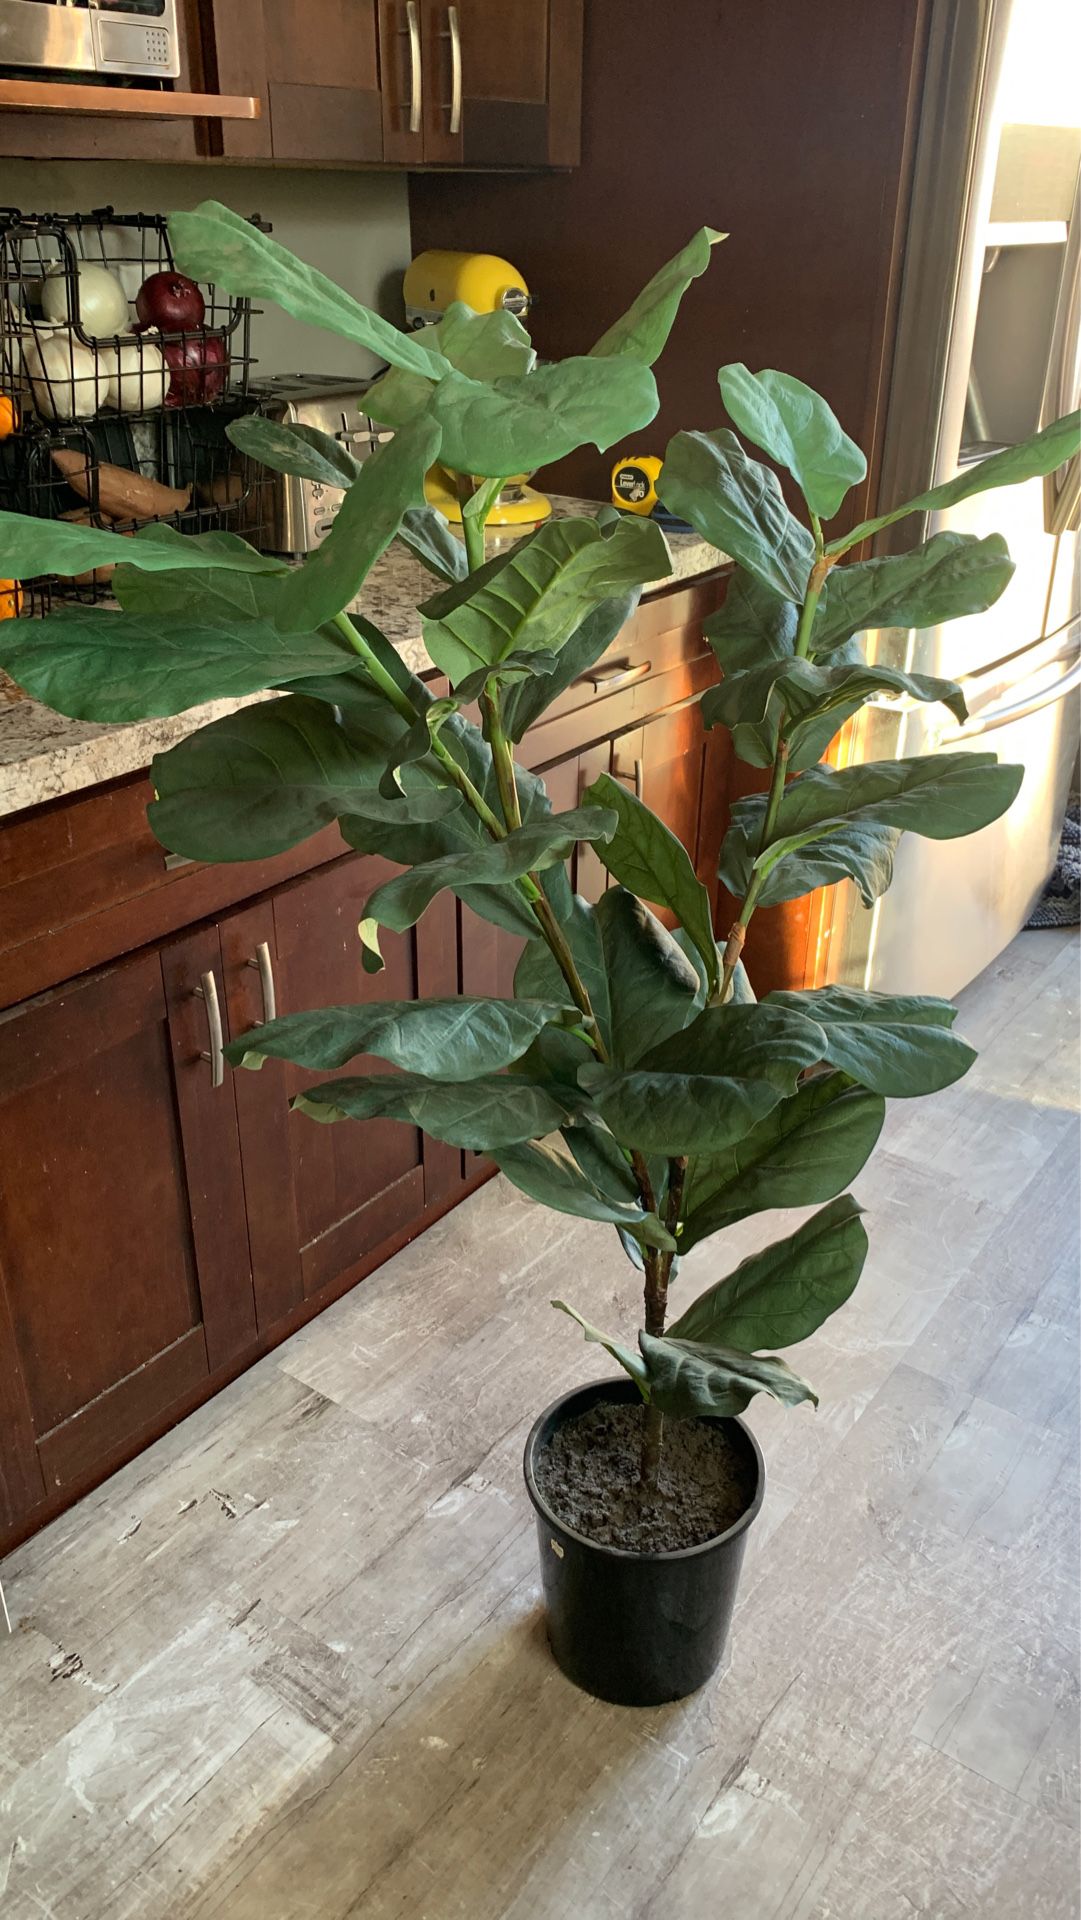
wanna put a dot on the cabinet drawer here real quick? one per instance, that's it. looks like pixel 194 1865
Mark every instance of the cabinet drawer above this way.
pixel 665 633
pixel 83 880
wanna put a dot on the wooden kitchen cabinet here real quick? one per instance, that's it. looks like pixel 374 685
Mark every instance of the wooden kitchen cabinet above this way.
pixel 124 1270
pixel 481 83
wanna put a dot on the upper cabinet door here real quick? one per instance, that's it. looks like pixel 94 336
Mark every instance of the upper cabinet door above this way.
pixel 402 74
pixel 322 66
pixel 501 82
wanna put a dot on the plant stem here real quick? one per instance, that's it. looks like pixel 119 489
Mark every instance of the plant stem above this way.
pixel 738 932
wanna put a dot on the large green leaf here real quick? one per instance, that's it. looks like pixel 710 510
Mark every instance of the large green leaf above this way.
pixel 494 1110
pixel 259 781
pixel 210 243
pixel 207 596
pixel 537 595
pixel 753 702
pixel 537 975
pixel 757 1041
pixel 515 425
pixel 949 576
pixel 95 665
pixel 484 346
pixel 752 626
pixel 399 902
pixel 304 451
pixel 653 988
pixel 676 1113
pixel 442 1039
pixel 30 546
pixel 429 539
pixel 736 504
pixel 896 1044
pixel 783 1293
pixel 525 702
pixel 942 796
pixel 363 528
pixel 793 424
pixel 642 332
pixel 546 1174
pixel 806 1150
pixel 626 1357
pixel 860 851
pixel 1041 454
pixel 645 856
pixel 692 1379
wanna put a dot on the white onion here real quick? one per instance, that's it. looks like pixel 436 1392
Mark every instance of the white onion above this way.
pixel 103 304
pixel 136 376
pixel 63 376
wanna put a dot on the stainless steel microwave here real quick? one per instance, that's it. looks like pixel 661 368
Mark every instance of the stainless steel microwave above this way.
pixel 123 37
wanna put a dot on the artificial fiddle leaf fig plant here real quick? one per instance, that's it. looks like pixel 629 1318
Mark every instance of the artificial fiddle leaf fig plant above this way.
pixel 633 1079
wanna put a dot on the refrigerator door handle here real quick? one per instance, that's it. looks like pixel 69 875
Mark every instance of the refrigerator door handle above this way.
pixel 1018 709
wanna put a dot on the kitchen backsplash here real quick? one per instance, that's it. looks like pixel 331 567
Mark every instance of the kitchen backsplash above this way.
pixel 353 226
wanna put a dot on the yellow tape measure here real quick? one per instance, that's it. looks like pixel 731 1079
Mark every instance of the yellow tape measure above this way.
pixel 634 482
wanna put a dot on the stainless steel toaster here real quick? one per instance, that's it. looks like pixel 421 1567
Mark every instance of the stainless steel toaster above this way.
pixel 295 514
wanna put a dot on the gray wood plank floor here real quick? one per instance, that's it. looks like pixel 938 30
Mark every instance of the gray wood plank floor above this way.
pixel 290 1664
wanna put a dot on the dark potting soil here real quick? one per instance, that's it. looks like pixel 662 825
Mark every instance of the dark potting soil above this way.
pixel 589 1474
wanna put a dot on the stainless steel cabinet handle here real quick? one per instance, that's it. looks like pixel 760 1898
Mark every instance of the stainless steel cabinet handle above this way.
pixel 455 70
pixel 606 679
pixel 412 16
pixel 265 965
pixel 207 992
pixel 639 776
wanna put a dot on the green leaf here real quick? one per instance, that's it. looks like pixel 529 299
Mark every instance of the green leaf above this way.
pixel 537 595
pixel 736 504
pixel 486 346
pixel 949 576
pixel 793 424
pixel 303 451
pixel 783 1293
pixel 752 626
pixel 633 1362
pixel 524 703
pixel 896 1044
pixel 538 977
pixel 761 1040
pixel 642 332
pixel 210 243
pixel 494 1110
pixel 429 539
pixel 251 785
pixel 645 856
pixel 513 426
pixel 752 703
pixel 545 1174
pixel 676 1113
pixel 859 851
pixel 942 796
pixel 443 1039
pixel 806 1150
pixel 399 397
pixel 363 528
pixel 689 1379
pixel 95 665
pixel 1045 451
pixel 207 596
pixel 32 546
pixel 399 902
pixel 653 987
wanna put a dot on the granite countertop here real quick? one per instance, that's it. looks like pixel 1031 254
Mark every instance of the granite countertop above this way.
pixel 44 756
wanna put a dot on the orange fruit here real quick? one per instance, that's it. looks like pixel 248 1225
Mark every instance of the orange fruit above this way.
pixel 11 599
pixel 9 417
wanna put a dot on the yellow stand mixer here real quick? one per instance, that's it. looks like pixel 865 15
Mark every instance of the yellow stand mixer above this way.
pixel 486 283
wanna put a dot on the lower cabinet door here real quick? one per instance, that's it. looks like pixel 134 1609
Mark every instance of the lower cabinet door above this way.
pixel 124 1273
pixel 320 1199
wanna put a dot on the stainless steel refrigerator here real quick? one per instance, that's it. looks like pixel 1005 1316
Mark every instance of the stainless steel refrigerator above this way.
pixel 986 351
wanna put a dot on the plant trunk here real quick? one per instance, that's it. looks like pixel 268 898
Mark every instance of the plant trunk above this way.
pixel 658 1266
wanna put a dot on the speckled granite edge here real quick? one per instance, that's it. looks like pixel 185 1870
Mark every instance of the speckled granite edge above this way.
pixel 44 756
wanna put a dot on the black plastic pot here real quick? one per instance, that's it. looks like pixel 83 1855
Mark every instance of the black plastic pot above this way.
pixel 636 1628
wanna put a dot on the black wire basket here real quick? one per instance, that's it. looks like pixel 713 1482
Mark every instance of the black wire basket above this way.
pixel 106 419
